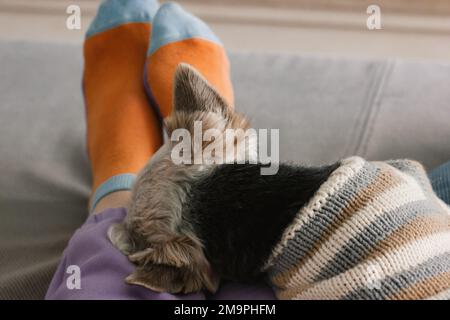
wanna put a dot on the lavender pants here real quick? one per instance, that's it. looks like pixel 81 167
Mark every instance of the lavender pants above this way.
pixel 102 269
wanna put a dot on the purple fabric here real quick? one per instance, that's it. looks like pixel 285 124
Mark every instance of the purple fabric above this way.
pixel 103 269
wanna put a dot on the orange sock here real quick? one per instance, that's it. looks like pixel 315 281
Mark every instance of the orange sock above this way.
pixel 123 131
pixel 178 37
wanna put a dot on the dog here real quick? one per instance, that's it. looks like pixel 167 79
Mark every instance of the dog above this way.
pixel 186 223
pixel 190 225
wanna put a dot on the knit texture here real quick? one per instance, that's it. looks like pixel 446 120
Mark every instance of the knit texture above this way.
pixel 374 230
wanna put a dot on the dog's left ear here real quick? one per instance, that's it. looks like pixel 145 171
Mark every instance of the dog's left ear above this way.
pixel 192 92
pixel 177 266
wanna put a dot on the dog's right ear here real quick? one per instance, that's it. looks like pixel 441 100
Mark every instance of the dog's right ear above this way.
pixel 192 92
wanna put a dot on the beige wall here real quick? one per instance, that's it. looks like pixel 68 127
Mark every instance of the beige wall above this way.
pixel 411 28
pixel 433 7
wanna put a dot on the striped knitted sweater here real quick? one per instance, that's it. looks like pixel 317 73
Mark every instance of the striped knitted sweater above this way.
pixel 374 230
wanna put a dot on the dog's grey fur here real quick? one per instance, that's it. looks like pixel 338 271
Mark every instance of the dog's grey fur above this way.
pixel 155 236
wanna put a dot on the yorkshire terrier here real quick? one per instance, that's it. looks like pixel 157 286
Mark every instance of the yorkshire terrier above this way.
pixel 190 225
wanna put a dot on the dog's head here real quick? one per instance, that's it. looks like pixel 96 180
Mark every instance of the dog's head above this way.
pixel 156 236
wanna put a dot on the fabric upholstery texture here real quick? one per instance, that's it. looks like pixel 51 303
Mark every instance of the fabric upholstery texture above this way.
pixel 326 108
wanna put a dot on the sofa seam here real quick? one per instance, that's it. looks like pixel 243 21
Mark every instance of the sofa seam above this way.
pixel 366 136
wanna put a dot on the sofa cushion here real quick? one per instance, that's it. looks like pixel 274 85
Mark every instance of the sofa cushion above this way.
pixel 326 108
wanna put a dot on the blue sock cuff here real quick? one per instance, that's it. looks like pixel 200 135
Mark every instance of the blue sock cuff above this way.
pixel 113 13
pixel 172 23
pixel 119 182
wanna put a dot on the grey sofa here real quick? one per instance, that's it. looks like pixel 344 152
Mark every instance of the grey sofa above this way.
pixel 326 108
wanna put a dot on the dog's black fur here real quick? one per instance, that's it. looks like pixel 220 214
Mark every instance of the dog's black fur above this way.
pixel 240 215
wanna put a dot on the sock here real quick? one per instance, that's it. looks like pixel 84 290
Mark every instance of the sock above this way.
pixel 177 37
pixel 122 129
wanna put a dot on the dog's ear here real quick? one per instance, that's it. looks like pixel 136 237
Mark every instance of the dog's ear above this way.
pixel 192 92
pixel 166 278
pixel 119 237
pixel 177 266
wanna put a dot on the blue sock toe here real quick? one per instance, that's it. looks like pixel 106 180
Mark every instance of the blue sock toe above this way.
pixel 113 13
pixel 172 23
